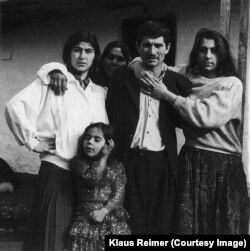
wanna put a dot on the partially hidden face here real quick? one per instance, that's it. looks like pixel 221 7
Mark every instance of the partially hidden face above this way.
pixel 153 51
pixel 93 142
pixel 82 57
pixel 208 57
pixel 114 60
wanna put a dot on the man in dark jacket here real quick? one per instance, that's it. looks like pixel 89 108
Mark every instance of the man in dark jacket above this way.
pixel 145 135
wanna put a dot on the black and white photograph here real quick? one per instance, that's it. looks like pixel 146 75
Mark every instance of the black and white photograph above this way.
pixel 124 118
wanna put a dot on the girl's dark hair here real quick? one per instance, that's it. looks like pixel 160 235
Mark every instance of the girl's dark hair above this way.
pixel 226 66
pixel 107 131
pixel 153 29
pixel 76 38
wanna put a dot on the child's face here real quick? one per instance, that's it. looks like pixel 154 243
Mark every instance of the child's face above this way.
pixel 93 142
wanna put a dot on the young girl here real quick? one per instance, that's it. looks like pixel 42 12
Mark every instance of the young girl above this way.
pixel 100 186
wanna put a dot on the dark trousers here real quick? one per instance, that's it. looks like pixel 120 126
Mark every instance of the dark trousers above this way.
pixel 150 192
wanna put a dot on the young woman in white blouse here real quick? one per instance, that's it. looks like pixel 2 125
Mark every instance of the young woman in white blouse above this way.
pixel 51 125
pixel 213 190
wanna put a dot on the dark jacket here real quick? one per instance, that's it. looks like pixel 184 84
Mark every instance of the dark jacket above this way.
pixel 122 105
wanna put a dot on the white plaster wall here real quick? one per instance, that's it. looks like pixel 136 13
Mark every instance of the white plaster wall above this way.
pixel 246 132
pixel 37 44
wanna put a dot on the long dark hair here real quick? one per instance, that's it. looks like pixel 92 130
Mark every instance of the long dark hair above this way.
pixel 226 66
pixel 76 38
pixel 101 77
pixel 107 131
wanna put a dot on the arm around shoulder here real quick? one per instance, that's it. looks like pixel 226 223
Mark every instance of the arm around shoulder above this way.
pixel 43 72
pixel 219 107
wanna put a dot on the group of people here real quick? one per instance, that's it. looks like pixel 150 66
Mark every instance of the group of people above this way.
pixel 106 136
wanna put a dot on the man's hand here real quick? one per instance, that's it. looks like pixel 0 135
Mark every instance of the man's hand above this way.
pixel 99 215
pixel 46 146
pixel 58 82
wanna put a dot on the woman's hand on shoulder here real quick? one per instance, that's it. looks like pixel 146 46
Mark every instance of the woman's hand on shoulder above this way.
pixel 58 82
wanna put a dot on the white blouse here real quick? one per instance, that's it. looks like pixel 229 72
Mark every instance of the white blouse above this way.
pixel 37 113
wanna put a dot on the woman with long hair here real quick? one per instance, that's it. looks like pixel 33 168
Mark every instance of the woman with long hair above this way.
pixel 115 55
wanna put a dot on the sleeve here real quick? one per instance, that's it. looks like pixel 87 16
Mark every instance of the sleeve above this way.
pixel 43 72
pixel 118 188
pixel 180 68
pixel 21 113
pixel 135 60
pixel 219 108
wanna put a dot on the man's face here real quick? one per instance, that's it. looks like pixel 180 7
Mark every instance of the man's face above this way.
pixel 153 51
pixel 82 57
pixel 208 58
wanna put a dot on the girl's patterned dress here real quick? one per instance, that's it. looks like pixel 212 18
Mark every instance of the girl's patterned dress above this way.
pixel 95 190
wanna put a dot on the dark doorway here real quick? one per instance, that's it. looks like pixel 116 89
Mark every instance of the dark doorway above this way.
pixel 129 28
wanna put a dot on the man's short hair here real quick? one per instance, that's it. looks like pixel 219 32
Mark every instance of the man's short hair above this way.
pixel 153 29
